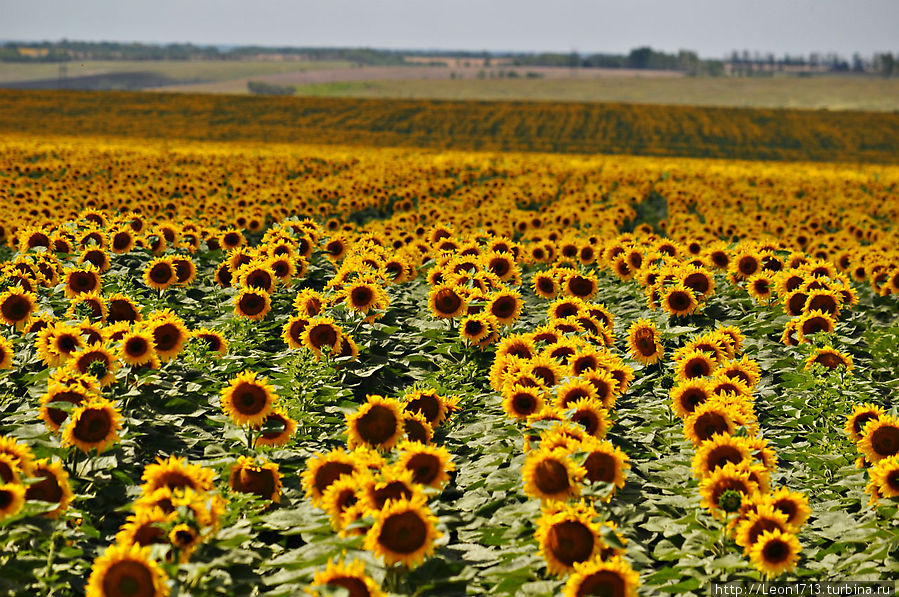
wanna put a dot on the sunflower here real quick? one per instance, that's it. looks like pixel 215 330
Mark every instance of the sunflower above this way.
pixel 430 465
pixel 826 301
pixel 96 257
pixel 393 484
pixel 760 286
pixel 145 527
pixel 432 405
pixel 350 576
pixel 214 340
pixel 745 370
pixel 347 348
pixel 730 477
pixel 39 322
pixel 879 438
pixel 688 394
pixel 223 275
pixel 185 270
pixel 19 453
pixel 76 392
pixel 813 322
pixel 561 435
pixel 582 286
pixel 323 470
pixel 576 389
pixel 700 281
pixel 231 238
pixel 546 284
pixel 547 370
pixel 90 305
pixel 53 486
pixel 362 296
pixel 518 345
pixel 97 361
pixel 885 478
pixel 169 335
pixel 790 333
pixel 590 414
pixel 476 329
pixel 678 301
pixel 717 451
pixel 121 240
pixel 322 334
pixel 285 268
pixel 336 248
pixel 708 419
pixel 126 570
pixel 694 364
pixel 775 552
pixel 276 430
pixel 745 264
pixel 6 353
pixel 520 402
pixel 81 281
pixel 416 428
pixel 404 532
pixel 252 304
pixel 604 463
pixel 176 473
pixel 121 308
pixel 93 424
pixel 137 348
pixel 257 275
pixel 861 414
pixel 568 535
pixel 160 273
pixel 377 424
pixel 563 350
pixel 551 475
pixel 643 339
pixel 829 358
pixel 764 518
pixel 793 504
pixel 722 386
pixel 259 478
pixel 185 538
pixel 16 306
pixel 445 302
pixel 12 499
pixel 10 469
pixel 613 577
pixel 794 302
pixel 343 494
pixel 292 331
pixel 248 400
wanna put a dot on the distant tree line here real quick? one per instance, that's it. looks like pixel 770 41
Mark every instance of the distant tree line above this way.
pixel 746 63
pixel 738 63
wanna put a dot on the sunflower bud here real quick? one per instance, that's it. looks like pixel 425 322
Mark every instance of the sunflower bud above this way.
pixel 730 500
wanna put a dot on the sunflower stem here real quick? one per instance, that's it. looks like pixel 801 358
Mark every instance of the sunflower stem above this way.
pixel 249 437
pixel 394 578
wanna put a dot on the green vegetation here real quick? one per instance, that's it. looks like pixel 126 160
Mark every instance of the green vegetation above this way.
pixel 263 88
pixel 827 92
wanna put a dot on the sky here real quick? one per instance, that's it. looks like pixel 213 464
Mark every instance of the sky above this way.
pixel 710 27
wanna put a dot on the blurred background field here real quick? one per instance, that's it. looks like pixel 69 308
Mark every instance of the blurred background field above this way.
pixel 343 78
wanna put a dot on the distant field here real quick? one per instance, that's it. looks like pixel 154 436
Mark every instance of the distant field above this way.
pixel 832 92
pixel 567 127
pixel 343 79
pixel 183 72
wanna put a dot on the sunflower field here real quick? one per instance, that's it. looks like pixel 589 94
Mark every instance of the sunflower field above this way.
pixel 244 368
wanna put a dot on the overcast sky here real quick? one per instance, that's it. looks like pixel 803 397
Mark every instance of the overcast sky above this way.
pixel 711 27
